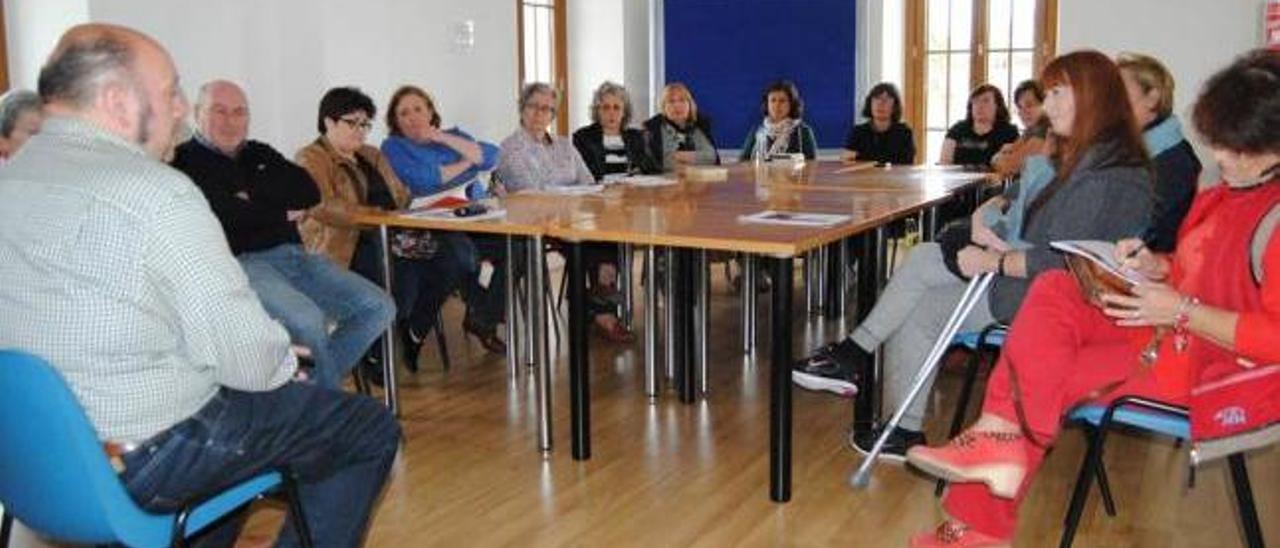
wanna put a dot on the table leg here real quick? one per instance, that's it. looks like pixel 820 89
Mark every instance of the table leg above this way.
pixel 780 383
pixel 704 317
pixel 670 282
pixel 539 357
pixel 625 271
pixel 390 393
pixel 686 343
pixel 579 358
pixel 749 300
pixel 513 349
pixel 651 323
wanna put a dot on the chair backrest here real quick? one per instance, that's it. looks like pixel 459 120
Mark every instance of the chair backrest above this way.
pixel 54 476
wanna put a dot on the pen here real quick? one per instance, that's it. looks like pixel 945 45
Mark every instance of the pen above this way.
pixel 1143 243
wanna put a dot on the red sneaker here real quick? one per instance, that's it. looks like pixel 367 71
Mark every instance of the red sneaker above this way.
pixel 954 534
pixel 997 459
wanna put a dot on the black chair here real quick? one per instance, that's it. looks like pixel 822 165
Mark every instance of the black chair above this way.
pixel 1150 416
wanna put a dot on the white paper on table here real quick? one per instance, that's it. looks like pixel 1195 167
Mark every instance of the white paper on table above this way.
pixel 794 218
pixel 646 180
pixel 573 190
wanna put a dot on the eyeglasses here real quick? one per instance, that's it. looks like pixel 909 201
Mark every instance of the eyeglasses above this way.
pixel 357 124
pixel 541 108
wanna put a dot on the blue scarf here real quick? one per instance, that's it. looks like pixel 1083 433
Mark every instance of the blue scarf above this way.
pixel 1036 174
pixel 1164 136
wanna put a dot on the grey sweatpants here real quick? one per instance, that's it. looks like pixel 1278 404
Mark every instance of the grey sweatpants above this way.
pixel 907 319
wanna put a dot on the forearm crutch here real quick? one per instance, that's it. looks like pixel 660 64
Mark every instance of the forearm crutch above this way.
pixel 971 297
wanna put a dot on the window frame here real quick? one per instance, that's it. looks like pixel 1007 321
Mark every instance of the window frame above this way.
pixel 1045 42
pixel 559 58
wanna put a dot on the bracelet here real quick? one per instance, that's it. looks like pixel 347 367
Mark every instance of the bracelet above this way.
pixel 1000 264
pixel 1181 321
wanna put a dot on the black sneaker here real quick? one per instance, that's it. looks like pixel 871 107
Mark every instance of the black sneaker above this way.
pixel 895 448
pixel 838 368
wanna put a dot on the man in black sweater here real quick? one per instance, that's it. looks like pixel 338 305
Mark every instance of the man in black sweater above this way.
pixel 259 197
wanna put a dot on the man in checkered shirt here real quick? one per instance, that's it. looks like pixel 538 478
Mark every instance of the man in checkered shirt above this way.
pixel 113 269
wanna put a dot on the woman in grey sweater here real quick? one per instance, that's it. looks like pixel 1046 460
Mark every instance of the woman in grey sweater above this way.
pixel 1101 190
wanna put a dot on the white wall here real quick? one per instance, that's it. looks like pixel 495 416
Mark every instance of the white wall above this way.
pixel 32 29
pixel 636 52
pixel 881 39
pixel 1193 38
pixel 596 53
pixel 286 53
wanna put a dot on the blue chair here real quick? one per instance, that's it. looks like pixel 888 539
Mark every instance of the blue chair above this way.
pixel 1144 415
pixel 56 479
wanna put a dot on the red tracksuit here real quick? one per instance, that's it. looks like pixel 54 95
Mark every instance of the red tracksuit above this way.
pixel 1064 349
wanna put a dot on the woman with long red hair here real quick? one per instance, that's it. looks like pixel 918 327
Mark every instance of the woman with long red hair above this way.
pixel 1215 307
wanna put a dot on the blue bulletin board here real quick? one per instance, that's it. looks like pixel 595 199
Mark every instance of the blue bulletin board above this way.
pixel 727 51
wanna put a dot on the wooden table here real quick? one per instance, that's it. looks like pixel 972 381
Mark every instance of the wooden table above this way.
pixel 705 215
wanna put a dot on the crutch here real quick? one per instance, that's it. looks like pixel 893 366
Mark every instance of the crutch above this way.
pixel 972 295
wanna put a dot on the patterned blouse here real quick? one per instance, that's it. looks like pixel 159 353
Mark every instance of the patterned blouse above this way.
pixel 527 163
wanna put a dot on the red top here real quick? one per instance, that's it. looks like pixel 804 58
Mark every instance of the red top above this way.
pixel 1212 263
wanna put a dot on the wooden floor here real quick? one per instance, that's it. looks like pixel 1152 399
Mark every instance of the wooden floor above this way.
pixel 669 474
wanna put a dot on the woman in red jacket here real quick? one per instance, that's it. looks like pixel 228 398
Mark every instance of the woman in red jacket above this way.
pixel 1215 305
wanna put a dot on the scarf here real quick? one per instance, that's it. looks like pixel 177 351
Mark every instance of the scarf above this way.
pixel 780 133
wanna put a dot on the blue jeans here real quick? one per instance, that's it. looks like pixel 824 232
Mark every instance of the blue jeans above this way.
pixel 305 292
pixel 340 446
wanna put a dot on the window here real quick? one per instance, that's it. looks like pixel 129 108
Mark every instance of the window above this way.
pixel 955 45
pixel 543 55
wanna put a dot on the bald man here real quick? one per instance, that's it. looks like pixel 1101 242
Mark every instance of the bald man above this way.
pixel 125 284
pixel 258 196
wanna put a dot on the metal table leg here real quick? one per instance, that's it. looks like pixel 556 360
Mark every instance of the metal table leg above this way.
pixel 513 349
pixel 749 296
pixel 670 282
pixel 579 358
pixel 703 317
pixel 842 279
pixel 625 271
pixel 780 383
pixel 651 323
pixel 390 394
pixel 538 355
pixel 808 283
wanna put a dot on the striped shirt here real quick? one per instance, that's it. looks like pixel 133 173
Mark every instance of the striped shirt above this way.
pixel 113 268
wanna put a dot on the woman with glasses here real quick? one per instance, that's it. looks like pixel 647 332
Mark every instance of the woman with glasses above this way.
pixel 532 158
pixel 354 177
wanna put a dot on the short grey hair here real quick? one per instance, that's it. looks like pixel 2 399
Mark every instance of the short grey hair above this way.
pixel 12 104
pixel 79 67
pixel 534 88
pixel 616 90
